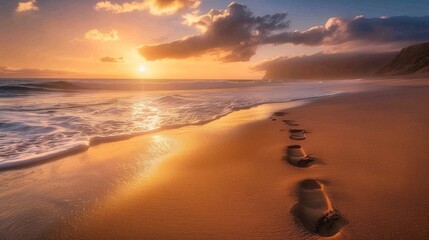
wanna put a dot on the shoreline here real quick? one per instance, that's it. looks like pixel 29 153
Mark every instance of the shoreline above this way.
pixel 190 189
pixel 28 163
pixel 79 148
pixel 76 147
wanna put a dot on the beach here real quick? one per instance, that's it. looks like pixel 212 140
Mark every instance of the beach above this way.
pixel 214 120
pixel 230 178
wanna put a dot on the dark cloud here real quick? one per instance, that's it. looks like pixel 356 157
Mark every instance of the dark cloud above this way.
pixel 359 30
pixel 325 66
pixel 234 34
pixel 112 59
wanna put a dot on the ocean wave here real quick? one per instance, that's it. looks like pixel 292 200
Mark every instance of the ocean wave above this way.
pixel 43 86
pixel 17 88
pixel 72 148
pixel 128 85
pixel 35 129
pixel 64 85
pixel 78 147
pixel 55 107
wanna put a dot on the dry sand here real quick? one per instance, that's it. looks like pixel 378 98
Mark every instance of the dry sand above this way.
pixel 228 179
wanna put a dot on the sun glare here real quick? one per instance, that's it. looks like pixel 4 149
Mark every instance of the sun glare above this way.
pixel 142 69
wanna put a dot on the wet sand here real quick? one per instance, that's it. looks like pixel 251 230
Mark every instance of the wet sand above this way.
pixel 229 179
pixel 226 180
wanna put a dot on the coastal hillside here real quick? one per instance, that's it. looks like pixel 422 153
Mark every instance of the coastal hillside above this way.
pixel 326 66
pixel 410 60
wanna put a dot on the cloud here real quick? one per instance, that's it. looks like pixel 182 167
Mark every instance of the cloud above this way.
pixel 27 6
pixel 161 7
pixel 112 60
pixel 156 7
pixel 232 34
pixel 96 35
pixel 325 66
pixel 7 72
pixel 121 8
pixel 359 30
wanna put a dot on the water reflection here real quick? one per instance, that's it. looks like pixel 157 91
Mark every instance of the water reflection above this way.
pixel 147 161
pixel 145 117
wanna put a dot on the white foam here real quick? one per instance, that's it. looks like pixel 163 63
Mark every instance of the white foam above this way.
pixel 44 157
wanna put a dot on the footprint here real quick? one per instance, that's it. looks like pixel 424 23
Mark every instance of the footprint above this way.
pixel 298 130
pixel 292 123
pixel 280 114
pixel 314 209
pixel 296 156
pixel 297 134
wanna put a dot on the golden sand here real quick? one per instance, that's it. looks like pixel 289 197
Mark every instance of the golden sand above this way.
pixel 228 180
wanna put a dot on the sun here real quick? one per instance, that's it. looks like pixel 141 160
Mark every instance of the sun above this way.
pixel 142 68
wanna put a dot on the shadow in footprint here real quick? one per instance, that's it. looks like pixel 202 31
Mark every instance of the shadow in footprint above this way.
pixel 291 123
pixel 294 130
pixel 296 156
pixel 314 210
pixel 297 134
pixel 315 161
pixel 280 114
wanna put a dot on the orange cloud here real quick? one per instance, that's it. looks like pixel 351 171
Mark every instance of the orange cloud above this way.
pixel 112 59
pixel 161 7
pixel 9 72
pixel 156 7
pixel 27 6
pixel 96 35
pixel 120 8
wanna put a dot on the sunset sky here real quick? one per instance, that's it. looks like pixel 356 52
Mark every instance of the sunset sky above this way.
pixel 186 39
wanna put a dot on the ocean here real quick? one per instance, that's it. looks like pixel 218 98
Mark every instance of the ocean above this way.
pixel 46 118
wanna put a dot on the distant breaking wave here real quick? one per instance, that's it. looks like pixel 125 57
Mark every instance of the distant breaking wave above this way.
pixel 43 86
pixel 131 85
